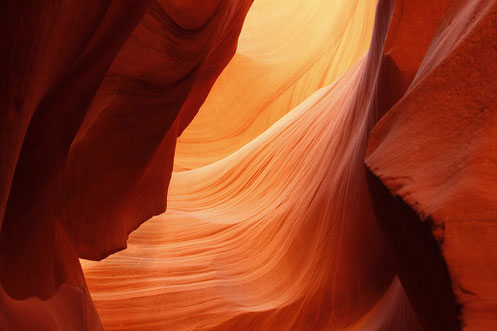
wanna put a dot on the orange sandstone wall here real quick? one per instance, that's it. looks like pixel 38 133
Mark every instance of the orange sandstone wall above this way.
pixel 322 185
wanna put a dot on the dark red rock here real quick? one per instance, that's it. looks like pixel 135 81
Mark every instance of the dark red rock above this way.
pixel 435 149
pixel 93 96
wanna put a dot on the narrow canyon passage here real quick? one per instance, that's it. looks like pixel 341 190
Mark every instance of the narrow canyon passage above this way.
pixel 248 165
pixel 279 233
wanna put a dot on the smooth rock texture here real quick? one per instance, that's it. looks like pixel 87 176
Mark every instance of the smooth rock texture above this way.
pixel 242 245
pixel 93 96
pixel 280 234
pixel 339 174
pixel 274 69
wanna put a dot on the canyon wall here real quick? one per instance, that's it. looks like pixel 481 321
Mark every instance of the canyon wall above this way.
pixel 341 174
pixel 93 96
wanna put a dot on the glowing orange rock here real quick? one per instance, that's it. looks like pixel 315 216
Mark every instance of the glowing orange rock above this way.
pixel 287 50
pixel 317 188
pixel 280 234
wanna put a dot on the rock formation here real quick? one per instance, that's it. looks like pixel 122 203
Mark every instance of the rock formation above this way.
pixel 94 94
pixel 340 175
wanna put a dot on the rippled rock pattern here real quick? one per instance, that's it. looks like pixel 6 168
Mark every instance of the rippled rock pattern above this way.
pixel 327 165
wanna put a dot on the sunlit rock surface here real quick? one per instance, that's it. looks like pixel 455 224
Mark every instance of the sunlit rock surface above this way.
pixel 341 174
pixel 274 69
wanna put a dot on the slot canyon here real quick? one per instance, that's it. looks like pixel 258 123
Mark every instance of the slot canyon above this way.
pixel 248 165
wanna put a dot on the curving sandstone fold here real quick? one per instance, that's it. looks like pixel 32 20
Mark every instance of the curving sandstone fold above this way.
pixel 93 97
pixel 280 234
pixel 341 175
pixel 242 242
pixel 287 50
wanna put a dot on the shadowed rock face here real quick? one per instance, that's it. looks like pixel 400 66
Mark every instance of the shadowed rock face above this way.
pixel 318 188
pixel 435 148
pixel 94 94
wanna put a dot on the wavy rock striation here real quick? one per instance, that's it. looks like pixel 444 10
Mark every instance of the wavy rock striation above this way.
pixel 318 187
pixel 273 71
pixel 93 96
pixel 290 230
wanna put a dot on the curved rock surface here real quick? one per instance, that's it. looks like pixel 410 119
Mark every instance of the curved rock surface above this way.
pixel 273 71
pixel 321 186
pixel 281 233
pixel 448 112
pixel 93 97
